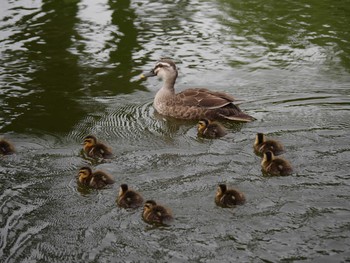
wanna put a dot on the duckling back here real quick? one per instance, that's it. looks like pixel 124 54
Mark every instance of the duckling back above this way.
pixel 100 179
pixel 100 150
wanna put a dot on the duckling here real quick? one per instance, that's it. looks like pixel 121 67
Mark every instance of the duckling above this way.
pixel 156 214
pixel 6 148
pixel 210 129
pixel 95 149
pixel 261 145
pixel 195 103
pixel 275 165
pixel 228 197
pixel 128 198
pixel 97 179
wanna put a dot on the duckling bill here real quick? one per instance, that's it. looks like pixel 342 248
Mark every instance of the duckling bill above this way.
pixel 6 148
pixel 275 165
pixel 97 179
pixel 156 214
pixel 191 104
pixel 262 145
pixel 210 129
pixel 94 149
pixel 228 197
pixel 128 198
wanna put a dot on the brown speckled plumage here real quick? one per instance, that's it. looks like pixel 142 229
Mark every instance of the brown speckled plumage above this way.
pixel 97 180
pixel 192 104
pixel 226 197
pixel 262 145
pixel 94 149
pixel 6 147
pixel 128 198
pixel 156 214
pixel 210 129
pixel 275 165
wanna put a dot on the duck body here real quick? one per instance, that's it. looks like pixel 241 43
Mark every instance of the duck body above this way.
pixel 6 148
pixel 192 104
pixel 227 198
pixel 92 148
pixel 156 214
pixel 97 179
pixel 128 198
pixel 262 145
pixel 275 165
pixel 210 129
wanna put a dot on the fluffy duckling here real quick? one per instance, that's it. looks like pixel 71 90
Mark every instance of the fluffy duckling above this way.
pixel 228 197
pixel 95 149
pixel 6 147
pixel 210 129
pixel 97 179
pixel 262 145
pixel 128 198
pixel 156 214
pixel 275 165
pixel 194 103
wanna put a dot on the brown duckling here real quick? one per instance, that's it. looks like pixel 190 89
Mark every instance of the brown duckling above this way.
pixel 6 148
pixel 156 214
pixel 128 198
pixel 95 149
pixel 97 179
pixel 228 197
pixel 275 165
pixel 262 145
pixel 210 129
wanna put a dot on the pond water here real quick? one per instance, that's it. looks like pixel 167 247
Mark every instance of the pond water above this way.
pixel 71 68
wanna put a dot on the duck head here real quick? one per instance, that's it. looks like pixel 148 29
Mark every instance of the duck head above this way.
pixel 164 69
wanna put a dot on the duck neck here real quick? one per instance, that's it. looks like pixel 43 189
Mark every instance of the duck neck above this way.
pixel 167 90
pixel 168 85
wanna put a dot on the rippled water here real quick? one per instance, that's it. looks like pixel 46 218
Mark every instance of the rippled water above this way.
pixel 70 68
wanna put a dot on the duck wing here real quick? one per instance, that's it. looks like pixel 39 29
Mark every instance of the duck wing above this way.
pixel 204 98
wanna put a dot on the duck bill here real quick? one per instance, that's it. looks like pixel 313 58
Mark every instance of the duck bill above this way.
pixel 149 74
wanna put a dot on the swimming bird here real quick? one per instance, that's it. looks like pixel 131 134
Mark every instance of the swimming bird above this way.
pixel 194 103
pixel 94 149
pixel 262 145
pixel 97 179
pixel 210 129
pixel 128 198
pixel 6 148
pixel 228 197
pixel 275 165
pixel 156 214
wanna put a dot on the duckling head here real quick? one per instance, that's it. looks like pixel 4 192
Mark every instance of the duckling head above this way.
pixel 89 141
pixel 164 69
pixel 268 157
pixel 122 189
pixel 202 125
pixel 259 138
pixel 149 204
pixel 84 173
pixel 222 188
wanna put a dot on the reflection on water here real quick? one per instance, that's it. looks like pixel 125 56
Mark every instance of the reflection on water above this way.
pixel 70 68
